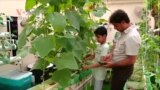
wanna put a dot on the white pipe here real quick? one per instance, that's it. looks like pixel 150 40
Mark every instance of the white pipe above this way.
pixel 15 58
pixel 4 34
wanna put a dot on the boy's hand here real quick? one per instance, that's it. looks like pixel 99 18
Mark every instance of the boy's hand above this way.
pixel 108 64
pixel 85 67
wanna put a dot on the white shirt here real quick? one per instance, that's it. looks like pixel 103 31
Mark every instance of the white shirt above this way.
pixel 128 44
pixel 99 73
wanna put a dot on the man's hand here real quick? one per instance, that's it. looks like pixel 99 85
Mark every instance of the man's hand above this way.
pixel 107 58
pixel 130 60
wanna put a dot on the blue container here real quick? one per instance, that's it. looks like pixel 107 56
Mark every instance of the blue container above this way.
pixel 15 80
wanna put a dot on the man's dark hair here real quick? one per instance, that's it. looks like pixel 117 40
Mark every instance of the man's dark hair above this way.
pixel 118 16
pixel 101 31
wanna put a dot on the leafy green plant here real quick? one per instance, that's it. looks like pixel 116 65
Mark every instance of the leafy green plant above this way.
pixel 154 6
pixel 60 32
pixel 1 18
pixel 149 51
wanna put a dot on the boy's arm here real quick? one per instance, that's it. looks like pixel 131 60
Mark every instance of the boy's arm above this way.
pixel 91 66
pixel 89 57
pixel 95 65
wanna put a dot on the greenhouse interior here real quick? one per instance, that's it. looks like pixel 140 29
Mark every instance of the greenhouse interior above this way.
pixel 79 44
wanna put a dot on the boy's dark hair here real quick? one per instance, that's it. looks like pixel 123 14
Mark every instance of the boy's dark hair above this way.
pixel 101 31
pixel 118 16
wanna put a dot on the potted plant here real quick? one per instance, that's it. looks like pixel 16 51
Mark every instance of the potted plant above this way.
pixel 60 32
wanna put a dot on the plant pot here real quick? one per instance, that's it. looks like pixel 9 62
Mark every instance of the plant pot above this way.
pixel 38 73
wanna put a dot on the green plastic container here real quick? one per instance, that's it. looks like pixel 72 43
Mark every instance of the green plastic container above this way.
pixel 75 79
pixel 85 73
pixel 15 80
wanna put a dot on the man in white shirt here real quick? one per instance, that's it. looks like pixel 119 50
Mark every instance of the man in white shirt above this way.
pixel 124 55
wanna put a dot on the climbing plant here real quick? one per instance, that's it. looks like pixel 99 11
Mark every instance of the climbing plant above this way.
pixel 154 6
pixel 149 51
pixel 60 32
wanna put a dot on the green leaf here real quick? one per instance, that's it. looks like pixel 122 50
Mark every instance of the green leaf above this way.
pixel 23 52
pixel 43 2
pixel 39 31
pixel 40 64
pixel 28 30
pixel 50 9
pixel 30 4
pixel 63 42
pixel 72 43
pixel 67 60
pixel 99 11
pixel 82 45
pixel 77 49
pixel 57 20
pixel 40 9
pixel 54 2
pixel 1 20
pixel 73 19
pixel 69 4
pixel 33 50
pixel 44 45
pixel 71 29
pixel 78 54
pixel 79 3
pixel 63 77
pixel 95 1
pixel 22 39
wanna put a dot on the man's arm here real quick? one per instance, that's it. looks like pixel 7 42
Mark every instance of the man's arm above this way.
pixel 126 62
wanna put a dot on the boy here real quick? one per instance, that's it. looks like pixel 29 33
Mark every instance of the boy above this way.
pixel 99 72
